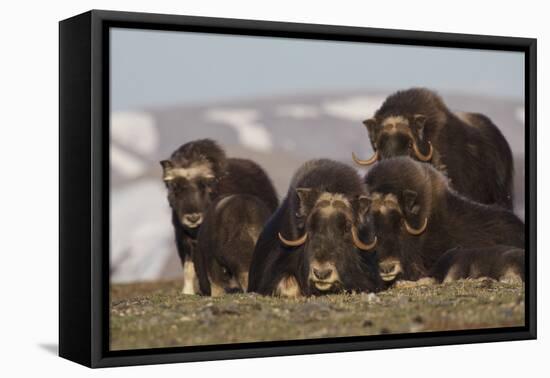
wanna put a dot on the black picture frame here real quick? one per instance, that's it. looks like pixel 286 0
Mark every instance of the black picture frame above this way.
pixel 84 187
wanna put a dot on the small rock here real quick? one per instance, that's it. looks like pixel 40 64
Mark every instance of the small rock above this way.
pixel 373 298
pixel 368 323
pixel 417 324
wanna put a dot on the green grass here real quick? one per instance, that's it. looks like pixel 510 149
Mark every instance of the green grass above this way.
pixel 149 315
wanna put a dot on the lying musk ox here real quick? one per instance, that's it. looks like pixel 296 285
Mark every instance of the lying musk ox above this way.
pixel 312 244
pixel 416 217
pixel 226 242
pixel 500 262
pixel 467 147
pixel 195 175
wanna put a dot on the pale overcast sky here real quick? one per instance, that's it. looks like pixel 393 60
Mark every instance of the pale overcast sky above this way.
pixel 158 68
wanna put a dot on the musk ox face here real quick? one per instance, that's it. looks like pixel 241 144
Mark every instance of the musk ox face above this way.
pixel 191 176
pixel 336 259
pixel 190 188
pixel 397 135
pixel 404 195
pixel 391 217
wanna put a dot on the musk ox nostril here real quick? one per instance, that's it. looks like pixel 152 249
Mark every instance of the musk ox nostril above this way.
pixel 387 268
pixel 322 274
pixel 193 219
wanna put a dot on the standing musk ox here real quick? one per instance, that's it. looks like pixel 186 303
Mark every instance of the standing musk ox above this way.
pixel 312 244
pixel 195 175
pixel 226 242
pixel 417 217
pixel 467 147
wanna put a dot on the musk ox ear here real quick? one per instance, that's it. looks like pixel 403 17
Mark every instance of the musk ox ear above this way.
pixel 306 200
pixel 419 121
pixel 219 165
pixel 410 202
pixel 167 169
pixel 363 204
pixel 371 125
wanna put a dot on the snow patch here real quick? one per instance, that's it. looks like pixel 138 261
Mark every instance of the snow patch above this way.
pixel 125 163
pixel 136 131
pixel 251 133
pixel 298 111
pixel 353 109
pixel 141 232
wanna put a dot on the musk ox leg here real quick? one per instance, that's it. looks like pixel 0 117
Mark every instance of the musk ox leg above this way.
pixel 458 272
pixel 511 275
pixel 503 263
pixel 216 290
pixel 288 287
pixel 190 280
pixel 513 270
pixel 452 275
pixel 243 281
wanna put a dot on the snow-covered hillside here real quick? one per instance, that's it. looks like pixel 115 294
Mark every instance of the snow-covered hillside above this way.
pixel 279 133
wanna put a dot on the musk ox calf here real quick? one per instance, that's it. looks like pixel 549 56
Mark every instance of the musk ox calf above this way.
pixel 226 242
pixel 467 147
pixel 500 262
pixel 417 217
pixel 312 244
pixel 195 175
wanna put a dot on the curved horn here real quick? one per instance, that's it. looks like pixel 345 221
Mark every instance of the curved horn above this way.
pixel 419 154
pixel 365 162
pixel 359 244
pixel 293 243
pixel 416 231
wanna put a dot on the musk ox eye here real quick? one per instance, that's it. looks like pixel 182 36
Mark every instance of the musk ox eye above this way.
pixel 206 185
pixel 178 187
pixel 226 272
pixel 347 227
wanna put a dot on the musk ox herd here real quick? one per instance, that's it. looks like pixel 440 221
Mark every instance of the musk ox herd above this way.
pixel 435 202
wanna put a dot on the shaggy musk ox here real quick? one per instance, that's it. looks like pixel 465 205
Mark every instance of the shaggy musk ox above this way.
pixel 226 242
pixel 195 175
pixel 500 262
pixel 467 147
pixel 417 217
pixel 312 244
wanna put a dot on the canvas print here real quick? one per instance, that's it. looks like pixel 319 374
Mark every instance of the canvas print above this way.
pixel 267 189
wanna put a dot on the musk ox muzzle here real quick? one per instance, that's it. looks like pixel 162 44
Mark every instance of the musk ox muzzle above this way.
pixel 324 276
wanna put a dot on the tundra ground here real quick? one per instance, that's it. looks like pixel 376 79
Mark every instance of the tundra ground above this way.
pixel 150 315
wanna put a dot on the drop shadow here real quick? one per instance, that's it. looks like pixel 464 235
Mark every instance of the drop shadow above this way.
pixel 50 348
